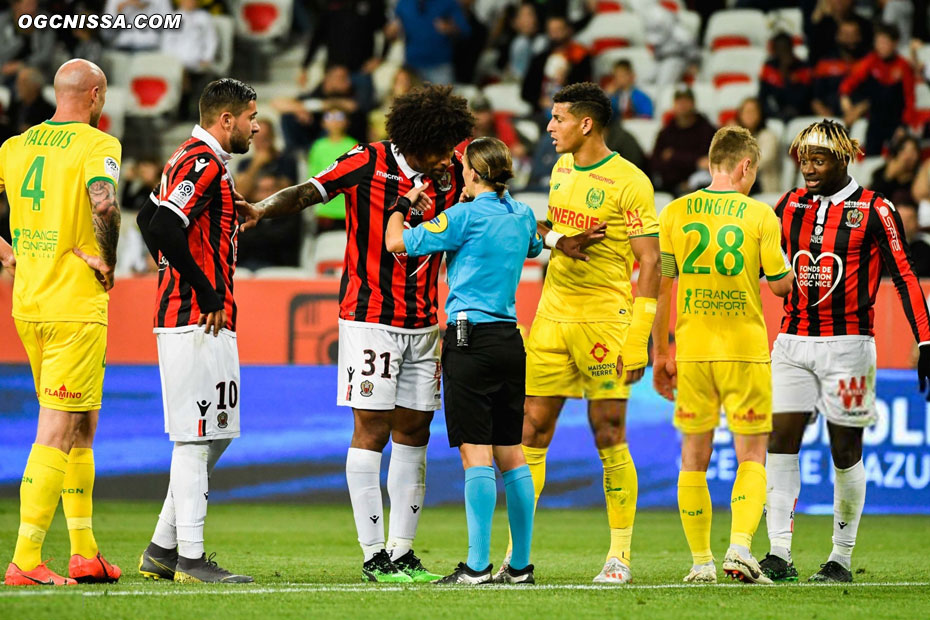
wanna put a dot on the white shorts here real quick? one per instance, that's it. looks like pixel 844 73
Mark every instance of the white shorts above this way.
pixel 384 367
pixel 199 383
pixel 835 377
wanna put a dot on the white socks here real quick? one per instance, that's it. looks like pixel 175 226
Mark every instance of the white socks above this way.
pixel 406 489
pixel 363 471
pixel 848 500
pixel 180 523
pixel 784 485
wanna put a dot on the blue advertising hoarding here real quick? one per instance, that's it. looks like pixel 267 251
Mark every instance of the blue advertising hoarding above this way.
pixel 289 418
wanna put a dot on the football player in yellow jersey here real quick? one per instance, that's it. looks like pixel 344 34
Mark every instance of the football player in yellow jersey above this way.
pixel 60 179
pixel 588 329
pixel 715 241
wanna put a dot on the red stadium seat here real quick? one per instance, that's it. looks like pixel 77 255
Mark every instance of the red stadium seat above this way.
pixel 264 20
pixel 736 28
pixel 608 6
pixel 154 83
pixel 612 30
pixel 737 65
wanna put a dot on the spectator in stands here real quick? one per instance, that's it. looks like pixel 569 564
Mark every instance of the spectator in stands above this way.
pixel 301 118
pixel 750 115
pixel 430 30
pixel 624 143
pixel 527 42
pixel 563 62
pixel 829 72
pixel 882 85
pixel 821 24
pixel 681 146
pixel 673 44
pixel 332 144
pixel 920 190
pixel 136 39
pixel 346 30
pixel 896 176
pixel 195 45
pixel 466 49
pixel 918 240
pixel 901 14
pixel 785 86
pixel 405 80
pixel 273 242
pixel 138 180
pixel 28 107
pixel 627 100
pixel 18 47
pixel 264 161
pixel 491 124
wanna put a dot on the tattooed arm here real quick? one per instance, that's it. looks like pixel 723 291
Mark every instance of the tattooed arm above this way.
pixel 288 201
pixel 106 215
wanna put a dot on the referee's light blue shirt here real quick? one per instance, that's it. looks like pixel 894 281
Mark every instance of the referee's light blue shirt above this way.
pixel 487 241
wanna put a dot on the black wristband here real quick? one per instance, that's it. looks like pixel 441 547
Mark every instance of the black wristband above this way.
pixel 402 205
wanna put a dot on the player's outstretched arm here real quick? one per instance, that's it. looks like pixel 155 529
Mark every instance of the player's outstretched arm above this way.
pixel 572 246
pixel 106 215
pixel 288 201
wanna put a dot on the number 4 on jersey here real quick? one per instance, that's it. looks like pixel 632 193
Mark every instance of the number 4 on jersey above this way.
pixel 32 184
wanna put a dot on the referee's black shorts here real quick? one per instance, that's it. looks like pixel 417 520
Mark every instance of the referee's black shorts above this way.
pixel 484 385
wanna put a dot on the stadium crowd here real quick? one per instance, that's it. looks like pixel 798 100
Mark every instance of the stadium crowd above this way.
pixel 675 70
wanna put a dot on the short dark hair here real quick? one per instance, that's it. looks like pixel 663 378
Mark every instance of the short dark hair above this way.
pixel 586 99
pixel 225 95
pixel 624 64
pixel 889 30
pixel 429 120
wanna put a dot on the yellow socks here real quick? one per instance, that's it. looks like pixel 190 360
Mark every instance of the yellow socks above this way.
pixel 620 490
pixel 38 499
pixel 695 508
pixel 77 500
pixel 536 461
pixel 747 502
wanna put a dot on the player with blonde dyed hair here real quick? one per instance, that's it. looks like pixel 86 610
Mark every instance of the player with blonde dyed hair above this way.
pixel 714 241
pixel 840 238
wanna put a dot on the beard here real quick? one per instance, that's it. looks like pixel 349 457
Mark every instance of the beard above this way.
pixel 95 118
pixel 239 142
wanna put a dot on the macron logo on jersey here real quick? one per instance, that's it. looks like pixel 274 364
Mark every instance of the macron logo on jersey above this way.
pixel 200 164
pixel 392 177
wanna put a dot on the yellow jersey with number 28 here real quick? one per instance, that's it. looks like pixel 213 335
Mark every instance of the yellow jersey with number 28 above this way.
pixel 45 173
pixel 716 242
pixel 613 191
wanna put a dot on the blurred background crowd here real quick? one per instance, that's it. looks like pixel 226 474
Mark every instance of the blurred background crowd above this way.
pixel 326 72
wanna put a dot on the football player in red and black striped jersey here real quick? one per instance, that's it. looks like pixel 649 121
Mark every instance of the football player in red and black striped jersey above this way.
pixel 190 228
pixel 839 236
pixel 389 365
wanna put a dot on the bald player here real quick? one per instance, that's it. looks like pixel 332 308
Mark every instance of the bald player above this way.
pixel 60 178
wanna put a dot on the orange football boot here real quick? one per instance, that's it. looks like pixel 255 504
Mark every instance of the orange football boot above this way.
pixel 41 575
pixel 94 570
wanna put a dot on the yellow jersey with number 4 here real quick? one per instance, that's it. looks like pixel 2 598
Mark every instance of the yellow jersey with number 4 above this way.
pixel 613 191
pixel 45 173
pixel 716 243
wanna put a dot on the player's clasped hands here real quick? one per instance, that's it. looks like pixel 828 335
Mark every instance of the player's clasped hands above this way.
pixel 573 246
pixel 102 271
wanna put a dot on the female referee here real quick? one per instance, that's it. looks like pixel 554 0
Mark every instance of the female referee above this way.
pixel 483 360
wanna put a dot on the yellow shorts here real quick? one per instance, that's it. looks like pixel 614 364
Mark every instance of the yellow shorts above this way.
pixel 575 360
pixel 68 360
pixel 743 388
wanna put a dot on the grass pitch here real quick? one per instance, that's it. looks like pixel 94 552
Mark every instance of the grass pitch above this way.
pixel 306 564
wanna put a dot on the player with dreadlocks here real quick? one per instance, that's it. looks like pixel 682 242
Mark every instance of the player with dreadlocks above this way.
pixel 839 237
pixel 389 366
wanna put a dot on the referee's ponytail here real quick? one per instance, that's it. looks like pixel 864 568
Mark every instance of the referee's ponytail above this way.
pixel 491 161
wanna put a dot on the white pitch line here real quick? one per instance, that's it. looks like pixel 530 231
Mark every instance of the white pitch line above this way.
pixel 169 590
